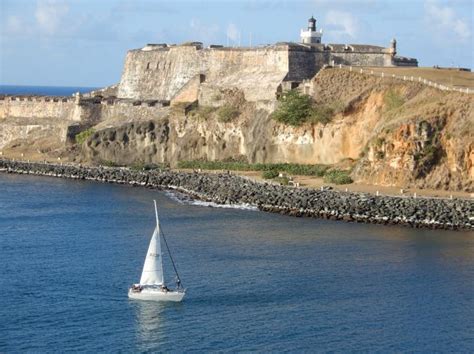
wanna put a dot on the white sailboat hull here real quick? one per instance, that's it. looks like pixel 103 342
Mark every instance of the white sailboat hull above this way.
pixel 156 294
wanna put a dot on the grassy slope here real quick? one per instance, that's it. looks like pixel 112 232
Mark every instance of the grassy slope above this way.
pixel 408 108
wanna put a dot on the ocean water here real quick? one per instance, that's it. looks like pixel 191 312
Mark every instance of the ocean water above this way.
pixel 43 90
pixel 256 281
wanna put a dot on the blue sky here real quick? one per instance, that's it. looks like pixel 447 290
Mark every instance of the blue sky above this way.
pixel 84 42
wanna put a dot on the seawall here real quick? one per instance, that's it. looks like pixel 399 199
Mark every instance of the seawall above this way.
pixel 449 214
pixel 38 107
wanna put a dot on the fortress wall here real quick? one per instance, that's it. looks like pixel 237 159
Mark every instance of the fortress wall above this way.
pixel 360 59
pixel 162 73
pixel 189 92
pixel 37 107
pixel 35 118
pixel 27 129
pixel 256 72
pixel 223 61
pixel 159 74
pixel 126 111
pixel 304 64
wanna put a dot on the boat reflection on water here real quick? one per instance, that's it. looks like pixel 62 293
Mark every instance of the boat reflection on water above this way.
pixel 150 321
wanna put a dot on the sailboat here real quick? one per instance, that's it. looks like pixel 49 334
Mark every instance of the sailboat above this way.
pixel 152 283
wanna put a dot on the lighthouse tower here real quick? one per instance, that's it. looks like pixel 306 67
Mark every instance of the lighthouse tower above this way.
pixel 311 35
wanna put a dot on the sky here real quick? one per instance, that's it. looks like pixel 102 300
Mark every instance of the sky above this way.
pixel 84 42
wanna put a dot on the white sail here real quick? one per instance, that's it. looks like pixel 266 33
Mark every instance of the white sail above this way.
pixel 153 268
pixel 152 275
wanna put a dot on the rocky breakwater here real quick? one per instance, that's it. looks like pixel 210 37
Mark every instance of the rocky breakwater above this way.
pixel 455 214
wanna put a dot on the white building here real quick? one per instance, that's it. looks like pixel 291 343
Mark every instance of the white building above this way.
pixel 311 35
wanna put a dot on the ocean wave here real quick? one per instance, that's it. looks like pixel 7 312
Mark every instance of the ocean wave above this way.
pixel 183 198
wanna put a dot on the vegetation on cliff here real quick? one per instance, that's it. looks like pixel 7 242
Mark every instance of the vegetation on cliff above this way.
pixel 296 108
pixel 393 99
pixel 82 136
pixel 227 113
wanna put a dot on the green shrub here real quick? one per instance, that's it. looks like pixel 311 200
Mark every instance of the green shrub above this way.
pixel 321 114
pixel 393 100
pixel 296 108
pixel 338 106
pixel 338 177
pixel 82 136
pixel 294 169
pixel 270 174
pixel 227 113
pixel 201 112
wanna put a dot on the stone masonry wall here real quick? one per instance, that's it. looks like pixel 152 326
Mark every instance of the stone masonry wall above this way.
pixel 161 73
pixel 37 107
pixel 126 111
pixel 66 109
pixel 360 59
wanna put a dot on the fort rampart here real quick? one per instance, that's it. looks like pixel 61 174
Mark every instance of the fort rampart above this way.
pixel 78 110
pixel 37 107
pixel 161 71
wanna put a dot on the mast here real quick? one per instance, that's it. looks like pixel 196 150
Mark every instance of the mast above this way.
pixel 156 214
pixel 167 247
pixel 172 260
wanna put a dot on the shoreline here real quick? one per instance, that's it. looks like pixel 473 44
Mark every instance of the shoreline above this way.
pixel 448 214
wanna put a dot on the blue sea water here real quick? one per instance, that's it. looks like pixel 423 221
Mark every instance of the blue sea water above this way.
pixel 43 90
pixel 256 281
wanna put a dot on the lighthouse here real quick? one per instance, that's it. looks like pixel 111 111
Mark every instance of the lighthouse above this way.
pixel 311 35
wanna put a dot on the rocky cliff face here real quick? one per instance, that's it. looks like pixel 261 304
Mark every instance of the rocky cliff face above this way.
pixel 397 134
pixel 393 133
pixel 428 151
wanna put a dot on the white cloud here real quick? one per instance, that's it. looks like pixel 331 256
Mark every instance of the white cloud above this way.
pixel 202 32
pixel 342 24
pixel 443 18
pixel 233 33
pixel 49 15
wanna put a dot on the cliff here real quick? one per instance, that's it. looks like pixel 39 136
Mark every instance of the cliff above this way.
pixel 398 134
pixel 391 132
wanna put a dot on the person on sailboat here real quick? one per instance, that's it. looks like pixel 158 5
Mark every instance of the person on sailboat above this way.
pixel 136 288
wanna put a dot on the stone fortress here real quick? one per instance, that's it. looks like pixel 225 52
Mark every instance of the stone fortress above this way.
pixel 160 75
pixel 189 71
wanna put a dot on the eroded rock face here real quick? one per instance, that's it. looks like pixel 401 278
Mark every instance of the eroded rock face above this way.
pixel 433 150
pixel 399 133
pixel 427 142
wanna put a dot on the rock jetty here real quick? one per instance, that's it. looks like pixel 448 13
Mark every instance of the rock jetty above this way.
pixel 224 188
